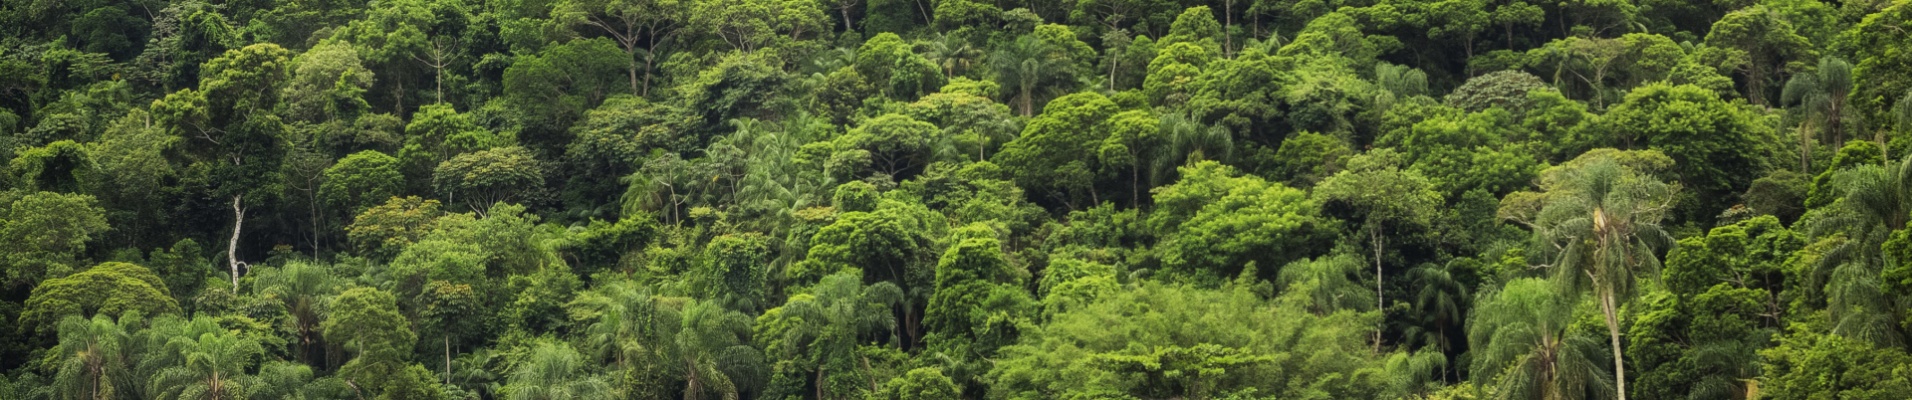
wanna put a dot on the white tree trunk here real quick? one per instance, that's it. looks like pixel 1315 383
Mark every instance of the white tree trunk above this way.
pixel 232 247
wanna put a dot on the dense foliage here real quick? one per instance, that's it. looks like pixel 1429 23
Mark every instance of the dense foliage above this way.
pixel 955 199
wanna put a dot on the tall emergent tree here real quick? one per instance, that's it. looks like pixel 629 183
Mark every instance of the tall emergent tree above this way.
pixel 1599 223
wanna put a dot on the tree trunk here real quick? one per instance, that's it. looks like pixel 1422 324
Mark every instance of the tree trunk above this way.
pixel 1805 148
pixel 232 247
pixel 1379 305
pixel 1608 308
pixel 1135 183
pixel 1228 22
pixel 632 70
pixel 845 10
pixel 314 203
pixel 1028 101
pixel 447 359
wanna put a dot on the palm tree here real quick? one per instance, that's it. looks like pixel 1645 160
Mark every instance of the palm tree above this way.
pixel 1520 340
pixel 303 289
pixel 1901 113
pixel 1440 300
pixel 1030 67
pixel 1189 141
pixel 1604 227
pixel 1877 201
pixel 713 349
pixel 954 53
pixel 209 366
pixel 94 365
pixel 555 371
pixel 831 320
pixel 1821 97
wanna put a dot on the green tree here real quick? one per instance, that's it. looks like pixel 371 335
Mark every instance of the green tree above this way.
pixel 361 181
pixel 733 272
pixel 367 322
pixel 1214 221
pixel 1600 224
pixel 1039 65
pixel 487 177
pixel 1132 134
pixel 553 370
pixel 895 67
pixel 304 290
pixel 1192 343
pixel 926 383
pixel 898 145
pixel 1522 343
pixel 228 125
pixel 1881 74
pixel 1807 363
pixel 44 234
pixel 1713 141
pixel 1765 44
pixel 385 230
pixel 207 366
pixel 95 362
pixel 1377 192
pixel 979 301
pixel 113 288
pixel 1821 95
pixel 1055 156
pixel 815 335
pixel 638 26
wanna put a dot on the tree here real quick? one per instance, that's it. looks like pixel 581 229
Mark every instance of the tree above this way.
pixel 1192 343
pixel 1808 363
pixel 926 383
pixel 1713 141
pixel 895 243
pixel 303 289
pixel 815 335
pixel 733 273
pixel 550 90
pixel 1040 64
pixel 367 321
pixel 898 145
pixel 1876 201
pixel 1765 44
pixel 1131 136
pixel 1821 95
pixel 95 362
pixel 1522 344
pixel 895 67
pixel 327 86
pixel 979 300
pixel 481 179
pixel 1604 220
pixel 385 230
pixel 228 124
pixel 361 181
pixel 43 234
pixel 631 23
pixel 207 366
pixel 553 370
pixel 113 289
pixel 1056 154
pixel 749 25
pixel 1881 74
pixel 1215 221
pixel 1377 192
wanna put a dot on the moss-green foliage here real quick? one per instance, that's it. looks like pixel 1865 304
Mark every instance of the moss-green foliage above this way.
pixel 942 199
pixel 112 288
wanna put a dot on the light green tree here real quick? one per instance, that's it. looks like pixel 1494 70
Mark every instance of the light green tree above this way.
pixel 1599 230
